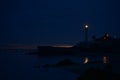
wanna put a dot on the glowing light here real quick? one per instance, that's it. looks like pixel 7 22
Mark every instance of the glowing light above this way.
pixel 63 46
pixel 104 59
pixel 86 26
pixel 86 60
pixel 107 35
pixel 104 37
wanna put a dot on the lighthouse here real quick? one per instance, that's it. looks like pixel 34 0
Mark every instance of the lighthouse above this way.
pixel 86 33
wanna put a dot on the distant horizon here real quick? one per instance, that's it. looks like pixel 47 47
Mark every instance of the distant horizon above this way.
pixel 30 46
pixel 47 44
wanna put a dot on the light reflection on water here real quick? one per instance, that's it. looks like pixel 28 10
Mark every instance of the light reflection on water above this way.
pixel 20 64
pixel 103 59
pixel 86 60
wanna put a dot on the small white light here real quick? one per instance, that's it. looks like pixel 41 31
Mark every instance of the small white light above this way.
pixel 86 26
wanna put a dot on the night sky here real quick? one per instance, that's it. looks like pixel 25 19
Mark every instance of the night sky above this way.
pixel 50 22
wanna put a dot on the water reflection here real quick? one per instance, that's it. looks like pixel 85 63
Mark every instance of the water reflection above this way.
pixel 103 59
pixel 86 60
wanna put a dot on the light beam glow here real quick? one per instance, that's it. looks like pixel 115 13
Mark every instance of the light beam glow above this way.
pixel 86 26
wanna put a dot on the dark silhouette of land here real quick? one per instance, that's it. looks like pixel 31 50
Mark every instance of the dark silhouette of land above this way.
pixel 104 44
pixel 65 62
pixel 99 74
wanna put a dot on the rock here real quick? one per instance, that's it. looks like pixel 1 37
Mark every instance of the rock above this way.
pixel 66 62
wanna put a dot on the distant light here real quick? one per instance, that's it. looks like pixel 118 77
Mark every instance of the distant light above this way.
pixel 104 59
pixel 86 60
pixel 86 26
pixel 107 35
pixel 63 46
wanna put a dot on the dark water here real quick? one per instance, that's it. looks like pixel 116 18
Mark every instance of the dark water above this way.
pixel 19 66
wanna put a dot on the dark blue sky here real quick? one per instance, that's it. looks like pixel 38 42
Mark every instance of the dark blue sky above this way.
pixel 49 22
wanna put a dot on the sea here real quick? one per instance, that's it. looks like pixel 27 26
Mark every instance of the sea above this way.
pixel 19 65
